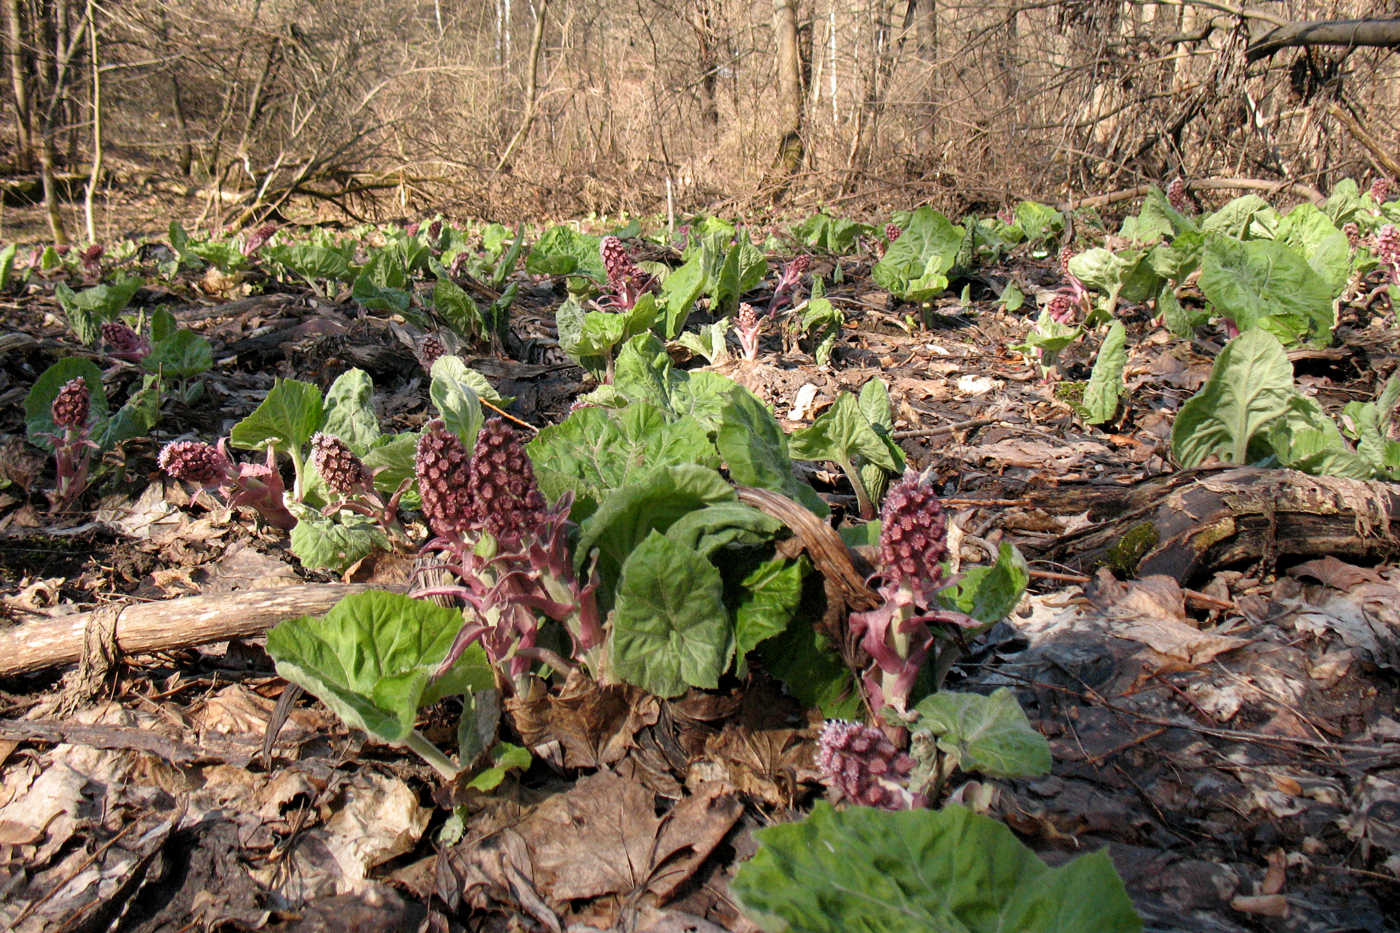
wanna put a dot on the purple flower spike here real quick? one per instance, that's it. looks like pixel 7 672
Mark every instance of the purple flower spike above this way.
pixel 70 406
pixel 504 499
pixel 892 232
pixel 126 343
pixel 1380 189
pixel 747 325
pixel 443 467
pixel 624 278
pixel 1176 195
pixel 862 763
pixel 338 465
pixel 195 462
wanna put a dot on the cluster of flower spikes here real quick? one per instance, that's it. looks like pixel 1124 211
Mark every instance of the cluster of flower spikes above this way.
pixel 1353 234
pixel 430 348
pixel 624 278
pixel 1060 308
pixel 1176 195
pixel 338 465
pixel 126 343
pixel 862 763
pixel 194 462
pixel 746 324
pixel 1388 244
pixel 71 404
pixel 892 232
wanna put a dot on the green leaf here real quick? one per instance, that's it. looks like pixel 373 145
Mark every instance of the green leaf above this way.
pixel 372 657
pixel 803 659
pixel 1305 438
pixel 1178 320
pixel 755 449
pixel 334 543
pixel 936 870
pixel 1237 217
pixel 1126 274
pixel 727 524
pixel 458 310
pixel 652 502
pixel 988 734
pixel 1263 284
pixel 313 261
pixel 842 433
pixel 180 355
pixel 7 265
pixel 989 594
pixel 1012 298
pixel 772 592
pixel 1249 386
pixel 90 308
pixel 505 758
pixel 678 294
pixel 562 251
pixel 1311 234
pixel 1106 381
pixel 595 451
pixel 455 395
pixel 349 408
pixel 38 404
pixel 1039 221
pixel 670 628
pixel 914 267
pixel 286 419
pixel 394 453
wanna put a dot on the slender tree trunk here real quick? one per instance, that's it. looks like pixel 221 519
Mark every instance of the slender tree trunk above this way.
pixel 532 86
pixel 707 56
pixel 928 59
pixel 19 82
pixel 96 174
pixel 789 99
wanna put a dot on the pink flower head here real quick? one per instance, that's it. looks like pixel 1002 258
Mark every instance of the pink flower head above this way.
pixel 71 404
pixel 1176 195
pixel 1380 189
pixel 126 343
pixel 862 763
pixel 503 498
pixel 442 465
pixel 195 462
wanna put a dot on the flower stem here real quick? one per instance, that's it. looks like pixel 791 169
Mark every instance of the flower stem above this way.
pixel 430 753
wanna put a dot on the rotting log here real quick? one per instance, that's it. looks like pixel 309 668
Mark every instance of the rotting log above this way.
pixel 1348 33
pixel 184 622
pixel 1188 524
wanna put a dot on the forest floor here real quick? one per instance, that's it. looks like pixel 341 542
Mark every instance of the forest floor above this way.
pixel 1225 725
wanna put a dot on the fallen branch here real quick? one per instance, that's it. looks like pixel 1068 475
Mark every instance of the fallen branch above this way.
pixel 1202 184
pixel 1190 523
pixel 1349 33
pixel 139 628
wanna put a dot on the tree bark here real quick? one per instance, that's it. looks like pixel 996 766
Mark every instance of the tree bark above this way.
pixel 532 87
pixel 19 83
pixel 791 148
pixel 1376 33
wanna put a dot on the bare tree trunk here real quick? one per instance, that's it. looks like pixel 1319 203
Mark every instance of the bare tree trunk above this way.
pixel 928 59
pixel 95 176
pixel 702 22
pixel 789 103
pixel 532 86
pixel 19 83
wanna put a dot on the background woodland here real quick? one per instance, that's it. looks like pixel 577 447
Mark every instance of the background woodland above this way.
pixel 509 109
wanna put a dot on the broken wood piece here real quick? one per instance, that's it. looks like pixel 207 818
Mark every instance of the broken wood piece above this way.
pixel 1188 524
pixel 168 624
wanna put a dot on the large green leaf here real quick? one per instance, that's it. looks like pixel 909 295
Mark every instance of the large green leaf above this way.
pixel 988 734
pixel 88 309
pixel 832 234
pixel 456 391
pixel 372 657
pixel 458 310
pixel 652 502
pixel 1127 274
pixel 286 419
pixel 594 451
pixel 755 449
pixel 842 433
pixel 726 524
pixel 1249 386
pixel 670 628
pixel 313 261
pixel 1312 235
pixel 180 355
pixel 1237 217
pixel 349 406
pixel 322 543
pixel 7 265
pixel 944 871
pixel 1265 284
pixel 678 294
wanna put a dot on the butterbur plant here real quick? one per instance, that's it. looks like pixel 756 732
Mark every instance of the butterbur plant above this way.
pixel 1387 250
pixel 747 325
pixel 251 485
pixel 626 281
pixel 898 634
pixel 507 549
pixel 1380 190
pixel 353 484
pixel 1176 195
pixel 785 290
pixel 72 447
pixel 429 349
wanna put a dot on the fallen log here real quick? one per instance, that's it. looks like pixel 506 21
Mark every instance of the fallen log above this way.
pixel 136 628
pixel 1191 523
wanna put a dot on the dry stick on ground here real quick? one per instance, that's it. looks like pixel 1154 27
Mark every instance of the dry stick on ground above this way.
pixel 173 623
pixel 1203 184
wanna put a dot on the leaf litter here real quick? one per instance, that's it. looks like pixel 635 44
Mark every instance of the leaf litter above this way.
pixel 1235 747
